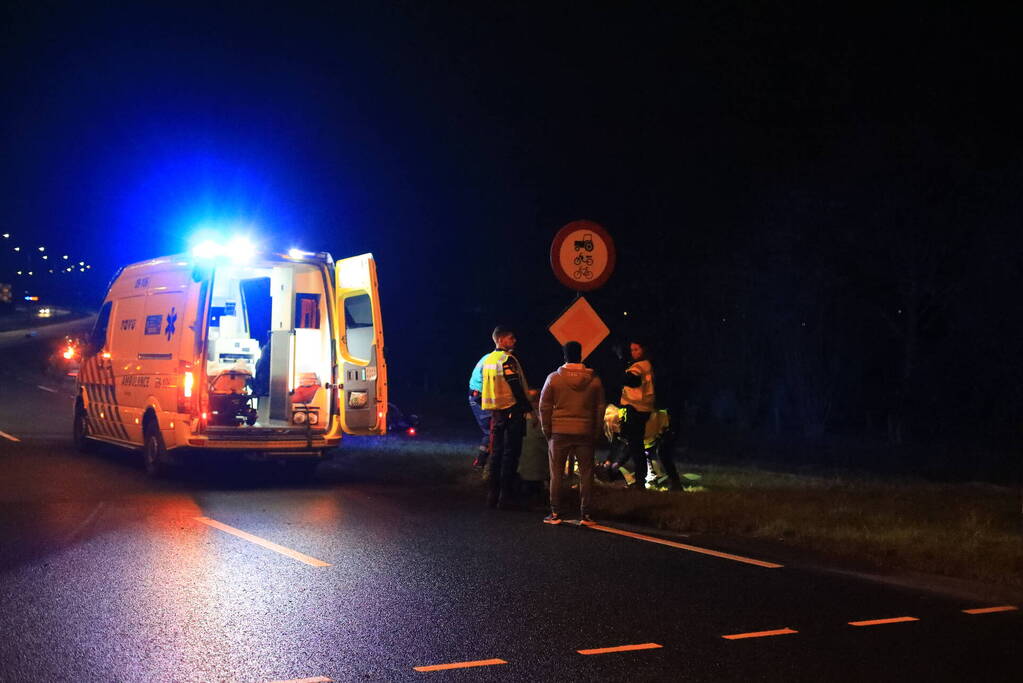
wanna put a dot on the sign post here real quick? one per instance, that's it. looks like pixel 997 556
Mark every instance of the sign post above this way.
pixel 583 258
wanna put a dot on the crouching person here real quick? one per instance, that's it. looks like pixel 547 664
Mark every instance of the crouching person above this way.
pixel 571 417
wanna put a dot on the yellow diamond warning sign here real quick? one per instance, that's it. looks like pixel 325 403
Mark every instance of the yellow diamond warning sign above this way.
pixel 582 324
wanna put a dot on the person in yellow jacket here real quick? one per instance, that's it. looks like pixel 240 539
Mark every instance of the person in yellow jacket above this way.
pixel 505 395
pixel 638 401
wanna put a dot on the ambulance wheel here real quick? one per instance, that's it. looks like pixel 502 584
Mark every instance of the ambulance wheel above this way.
pixel 80 430
pixel 154 452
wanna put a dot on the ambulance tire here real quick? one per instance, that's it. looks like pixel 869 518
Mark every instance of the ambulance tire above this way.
pixel 80 430
pixel 154 452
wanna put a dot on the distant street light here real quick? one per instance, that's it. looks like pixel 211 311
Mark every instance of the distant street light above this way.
pixel 42 248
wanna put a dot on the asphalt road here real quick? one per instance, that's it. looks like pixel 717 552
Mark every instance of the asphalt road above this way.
pixel 106 575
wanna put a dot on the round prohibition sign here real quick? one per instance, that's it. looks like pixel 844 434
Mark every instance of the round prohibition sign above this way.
pixel 583 255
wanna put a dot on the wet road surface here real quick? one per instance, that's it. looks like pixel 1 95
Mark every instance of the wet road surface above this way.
pixel 106 575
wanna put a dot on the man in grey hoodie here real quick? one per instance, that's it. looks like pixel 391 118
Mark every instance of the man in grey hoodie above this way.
pixel 571 417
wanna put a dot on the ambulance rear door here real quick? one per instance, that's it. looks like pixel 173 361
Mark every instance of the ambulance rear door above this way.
pixel 360 335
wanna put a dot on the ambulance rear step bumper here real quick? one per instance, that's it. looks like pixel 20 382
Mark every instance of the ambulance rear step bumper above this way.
pixel 259 434
pixel 284 441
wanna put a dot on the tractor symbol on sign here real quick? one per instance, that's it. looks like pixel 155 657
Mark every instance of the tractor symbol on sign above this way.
pixel 585 243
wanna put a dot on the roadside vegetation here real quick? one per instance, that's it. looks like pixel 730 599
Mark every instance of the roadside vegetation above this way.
pixel 963 530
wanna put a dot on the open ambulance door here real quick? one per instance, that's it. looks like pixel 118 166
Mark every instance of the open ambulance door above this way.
pixel 360 335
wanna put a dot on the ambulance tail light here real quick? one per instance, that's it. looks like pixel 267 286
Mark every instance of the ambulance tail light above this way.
pixel 186 389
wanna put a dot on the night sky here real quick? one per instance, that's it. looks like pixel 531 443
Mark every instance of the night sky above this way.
pixel 759 162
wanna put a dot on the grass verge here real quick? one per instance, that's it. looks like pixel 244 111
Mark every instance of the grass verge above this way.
pixel 965 531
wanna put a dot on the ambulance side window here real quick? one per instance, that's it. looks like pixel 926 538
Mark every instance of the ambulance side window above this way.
pixel 99 331
pixel 307 311
pixel 359 325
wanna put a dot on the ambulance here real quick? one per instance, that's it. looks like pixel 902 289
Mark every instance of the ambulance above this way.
pixel 226 350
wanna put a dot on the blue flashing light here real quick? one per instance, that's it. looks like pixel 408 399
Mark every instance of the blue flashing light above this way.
pixel 210 245
pixel 240 249
pixel 207 249
pixel 298 254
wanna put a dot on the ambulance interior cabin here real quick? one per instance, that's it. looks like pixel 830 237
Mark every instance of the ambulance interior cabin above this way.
pixel 268 351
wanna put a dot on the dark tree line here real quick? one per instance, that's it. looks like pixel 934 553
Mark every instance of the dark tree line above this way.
pixel 877 304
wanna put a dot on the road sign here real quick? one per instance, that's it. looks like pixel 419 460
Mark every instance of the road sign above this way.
pixel 582 324
pixel 583 255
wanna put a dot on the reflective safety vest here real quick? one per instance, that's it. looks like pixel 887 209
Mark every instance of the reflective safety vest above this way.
pixel 497 393
pixel 642 397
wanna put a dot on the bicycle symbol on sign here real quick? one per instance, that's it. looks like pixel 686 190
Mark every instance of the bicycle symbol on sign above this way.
pixel 583 273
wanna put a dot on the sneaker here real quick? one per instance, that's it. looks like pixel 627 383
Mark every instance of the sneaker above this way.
pixel 586 520
pixel 552 518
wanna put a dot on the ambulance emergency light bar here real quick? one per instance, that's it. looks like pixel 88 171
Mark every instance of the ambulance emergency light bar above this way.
pixel 239 249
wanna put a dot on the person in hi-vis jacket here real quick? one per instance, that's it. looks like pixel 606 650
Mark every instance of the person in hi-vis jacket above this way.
pixel 505 395
pixel 638 401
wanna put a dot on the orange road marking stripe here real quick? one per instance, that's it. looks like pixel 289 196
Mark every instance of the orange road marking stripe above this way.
pixel 876 622
pixel 989 610
pixel 760 634
pixel 8 436
pixel 294 554
pixel 620 648
pixel 684 546
pixel 460 665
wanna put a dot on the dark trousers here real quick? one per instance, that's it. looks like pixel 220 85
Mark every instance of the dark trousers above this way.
pixel 482 419
pixel 667 457
pixel 632 431
pixel 507 427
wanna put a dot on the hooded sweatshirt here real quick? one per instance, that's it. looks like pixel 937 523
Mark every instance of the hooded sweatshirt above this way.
pixel 572 402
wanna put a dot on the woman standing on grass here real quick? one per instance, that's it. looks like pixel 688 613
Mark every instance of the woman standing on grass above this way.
pixel 638 401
